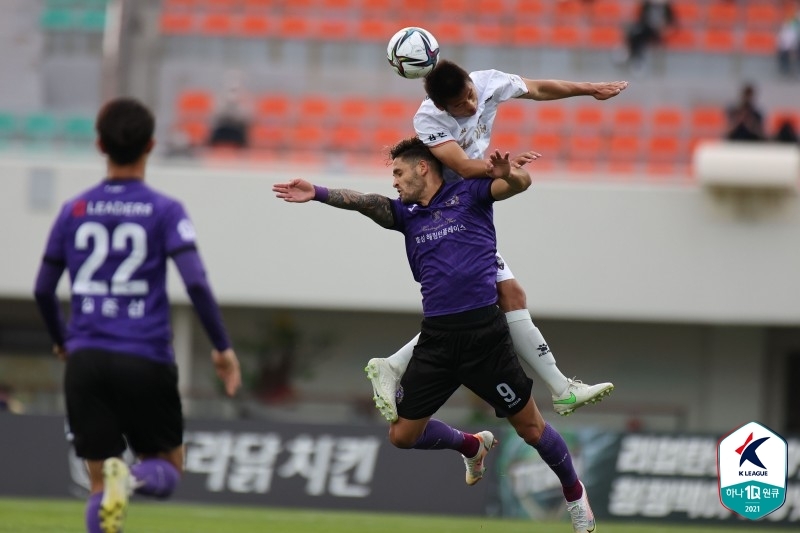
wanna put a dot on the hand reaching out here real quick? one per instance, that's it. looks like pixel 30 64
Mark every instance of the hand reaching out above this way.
pixel 498 166
pixel 519 161
pixel 296 191
pixel 608 89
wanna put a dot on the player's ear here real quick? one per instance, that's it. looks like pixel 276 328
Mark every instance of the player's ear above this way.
pixel 150 144
pixel 100 146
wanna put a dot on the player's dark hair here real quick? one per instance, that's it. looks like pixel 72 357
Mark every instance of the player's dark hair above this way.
pixel 445 82
pixel 412 150
pixel 125 128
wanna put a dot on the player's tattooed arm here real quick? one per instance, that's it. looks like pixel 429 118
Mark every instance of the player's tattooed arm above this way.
pixel 374 206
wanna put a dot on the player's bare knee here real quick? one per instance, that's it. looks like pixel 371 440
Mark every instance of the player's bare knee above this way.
pixel 511 296
pixel 531 434
pixel 400 438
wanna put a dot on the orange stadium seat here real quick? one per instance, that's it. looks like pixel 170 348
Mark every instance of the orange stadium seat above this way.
pixel 724 13
pixel 353 109
pixel 397 110
pixel 757 42
pixel 454 6
pixel 272 108
pixel 258 6
pixel 294 27
pixel 309 136
pixel 627 119
pixel 681 39
pixel 385 135
pixel 216 24
pixel 370 29
pixel 568 10
pixel 222 5
pixel 487 9
pixel 564 36
pixel 718 41
pixel 764 15
pixel 505 140
pixel 271 136
pixel 338 5
pixel 314 108
pixel 604 36
pixel 447 31
pixel 195 103
pixel 489 34
pixel 380 8
pixel 530 8
pixel 526 34
pixel 550 117
pixel 296 7
pixel 667 120
pixel 550 145
pixel 176 23
pixel 609 12
pixel 346 137
pixel 664 149
pixel 415 8
pixel 689 12
pixel 333 29
pixel 624 150
pixel 585 147
pixel 254 25
pixel 708 121
pixel 511 115
pixel 588 117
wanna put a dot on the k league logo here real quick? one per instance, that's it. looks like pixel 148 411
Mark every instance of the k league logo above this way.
pixel 752 465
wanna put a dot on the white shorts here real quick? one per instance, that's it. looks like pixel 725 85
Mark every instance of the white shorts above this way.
pixel 503 271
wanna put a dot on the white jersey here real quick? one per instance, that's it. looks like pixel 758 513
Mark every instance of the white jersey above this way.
pixel 472 134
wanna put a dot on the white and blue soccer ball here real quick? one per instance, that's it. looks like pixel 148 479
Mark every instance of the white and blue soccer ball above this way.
pixel 413 52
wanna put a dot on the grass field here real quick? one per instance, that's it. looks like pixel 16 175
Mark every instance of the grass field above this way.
pixel 66 516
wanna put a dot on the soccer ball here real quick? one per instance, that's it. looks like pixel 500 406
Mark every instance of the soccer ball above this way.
pixel 412 52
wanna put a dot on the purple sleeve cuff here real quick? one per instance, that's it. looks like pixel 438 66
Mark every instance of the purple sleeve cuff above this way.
pixel 194 277
pixel 320 193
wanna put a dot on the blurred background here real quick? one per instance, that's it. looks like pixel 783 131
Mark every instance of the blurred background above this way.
pixel 658 245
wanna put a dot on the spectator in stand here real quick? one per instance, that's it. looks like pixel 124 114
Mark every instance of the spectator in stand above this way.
pixel 655 19
pixel 745 119
pixel 232 117
pixel 786 132
pixel 788 43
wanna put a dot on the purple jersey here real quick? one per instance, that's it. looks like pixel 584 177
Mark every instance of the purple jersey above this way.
pixel 451 246
pixel 114 239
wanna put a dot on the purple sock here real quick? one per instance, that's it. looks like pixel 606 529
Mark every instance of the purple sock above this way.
pixel 155 477
pixel 440 436
pixel 93 513
pixel 553 451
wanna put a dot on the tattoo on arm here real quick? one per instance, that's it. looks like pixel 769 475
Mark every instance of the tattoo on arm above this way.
pixel 374 206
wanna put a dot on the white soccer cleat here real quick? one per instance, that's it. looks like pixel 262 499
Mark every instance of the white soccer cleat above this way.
pixel 474 465
pixel 384 387
pixel 581 514
pixel 118 486
pixel 579 394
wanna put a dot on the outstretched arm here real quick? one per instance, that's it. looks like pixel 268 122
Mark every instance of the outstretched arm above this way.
pixel 375 206
pixel 453 156
pixel 558 89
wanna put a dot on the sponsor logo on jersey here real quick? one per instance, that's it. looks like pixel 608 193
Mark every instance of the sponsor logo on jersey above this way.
pixel 119 208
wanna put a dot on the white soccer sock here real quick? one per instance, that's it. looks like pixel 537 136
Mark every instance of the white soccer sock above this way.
pixel 533 349
pixel 400 359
